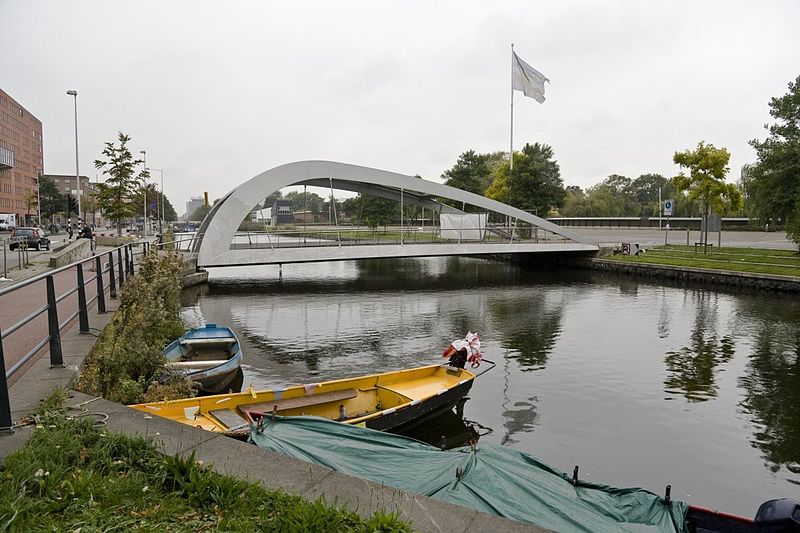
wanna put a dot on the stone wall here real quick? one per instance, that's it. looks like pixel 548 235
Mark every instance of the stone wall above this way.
pixel 700 275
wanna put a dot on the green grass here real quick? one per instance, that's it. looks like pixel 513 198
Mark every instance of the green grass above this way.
pixel 752 260
pixel 72 476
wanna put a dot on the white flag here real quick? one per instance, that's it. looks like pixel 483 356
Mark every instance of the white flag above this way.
pixel 528 80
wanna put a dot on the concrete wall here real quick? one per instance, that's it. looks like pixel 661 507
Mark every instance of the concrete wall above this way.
pixel 113 241
pixel 80 249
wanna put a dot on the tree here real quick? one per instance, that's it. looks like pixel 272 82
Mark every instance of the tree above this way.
pixel 470 173
pixel 120 195
pixel 306 201
pixel 52 200
pixel 535 184
pixel 772 184
pixel 645 190
pixel 707 166
pixel 169 211
pixel 269 201
pixel 379 211
pixel 200 213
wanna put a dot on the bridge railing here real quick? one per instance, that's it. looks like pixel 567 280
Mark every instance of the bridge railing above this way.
pixel 360 236
pixel 56 293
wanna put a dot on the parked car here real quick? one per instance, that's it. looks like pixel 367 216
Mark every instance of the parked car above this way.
pixel 35 237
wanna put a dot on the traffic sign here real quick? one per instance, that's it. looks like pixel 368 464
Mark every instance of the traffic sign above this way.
pixel 668 208
pixel 153 206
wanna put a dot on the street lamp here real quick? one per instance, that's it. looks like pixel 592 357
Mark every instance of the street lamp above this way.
pixel 144 193
pixel 161 211
pixel 77 171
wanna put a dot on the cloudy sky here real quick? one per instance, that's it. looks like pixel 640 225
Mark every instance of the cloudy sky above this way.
pixel 217 92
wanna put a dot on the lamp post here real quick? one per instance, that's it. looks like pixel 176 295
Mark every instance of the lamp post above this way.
pixel 161 203
pixel 74 94
pixel 144 193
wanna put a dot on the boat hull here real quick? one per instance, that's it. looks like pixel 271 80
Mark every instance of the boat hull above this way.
pixel 421 412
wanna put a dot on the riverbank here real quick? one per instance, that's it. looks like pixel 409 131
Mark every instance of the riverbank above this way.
pixel 765 269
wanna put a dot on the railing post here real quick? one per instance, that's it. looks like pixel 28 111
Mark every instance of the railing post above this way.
pixel 6 424
pixel 101 291
pixel 111 281
pixel 121 271
pixel 83 313
pixel 127 261
pixel 56 357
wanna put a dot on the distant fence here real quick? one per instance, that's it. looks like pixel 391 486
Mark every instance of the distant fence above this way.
pixel 647 222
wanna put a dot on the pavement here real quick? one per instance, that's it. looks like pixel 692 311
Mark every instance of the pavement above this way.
pixel 223 454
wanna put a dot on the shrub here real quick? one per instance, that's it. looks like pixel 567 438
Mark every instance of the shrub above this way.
pixel 128 356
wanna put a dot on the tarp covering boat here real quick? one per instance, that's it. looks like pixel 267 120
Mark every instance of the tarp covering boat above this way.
pixel 488 478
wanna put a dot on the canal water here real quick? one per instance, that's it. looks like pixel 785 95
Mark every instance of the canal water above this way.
pixel 637 383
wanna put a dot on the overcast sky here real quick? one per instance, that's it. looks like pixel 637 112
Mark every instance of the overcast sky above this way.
pixel 217 92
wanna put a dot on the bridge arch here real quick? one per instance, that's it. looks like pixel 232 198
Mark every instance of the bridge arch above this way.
pixel 218 229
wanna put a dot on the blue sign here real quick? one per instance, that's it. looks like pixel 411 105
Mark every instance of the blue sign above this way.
pixel 153 206
pixel 668 208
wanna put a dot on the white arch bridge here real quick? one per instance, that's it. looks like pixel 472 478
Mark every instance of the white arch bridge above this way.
pixel 507 231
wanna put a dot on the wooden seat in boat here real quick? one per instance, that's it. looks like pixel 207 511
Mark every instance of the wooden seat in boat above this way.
pixel 302 401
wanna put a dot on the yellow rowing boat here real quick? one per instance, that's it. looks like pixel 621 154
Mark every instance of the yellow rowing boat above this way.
pixel 385 401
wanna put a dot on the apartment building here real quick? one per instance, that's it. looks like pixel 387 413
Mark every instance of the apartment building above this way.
pixel 21 159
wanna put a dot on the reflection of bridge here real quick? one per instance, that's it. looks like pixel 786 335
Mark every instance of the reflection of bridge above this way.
pixel 520 232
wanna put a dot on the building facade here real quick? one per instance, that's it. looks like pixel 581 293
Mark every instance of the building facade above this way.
pixel 193 205
pixel 67 184
pixel 282 212
pixel 21 160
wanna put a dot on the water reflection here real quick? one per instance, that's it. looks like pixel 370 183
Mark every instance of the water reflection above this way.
pixel 692 369
pixel 530 327
pixel 772 381
pixel 521 416
pixel 448 430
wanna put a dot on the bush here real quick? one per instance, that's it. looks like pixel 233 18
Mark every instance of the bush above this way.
pixel 248 225
pixel 128 356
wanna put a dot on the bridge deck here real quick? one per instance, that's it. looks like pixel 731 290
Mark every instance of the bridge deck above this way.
pixel 259 254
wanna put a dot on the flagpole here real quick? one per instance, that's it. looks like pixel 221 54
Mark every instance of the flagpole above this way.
pixel 511 152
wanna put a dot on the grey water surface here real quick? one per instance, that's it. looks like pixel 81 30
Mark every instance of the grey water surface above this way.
pixel 640 384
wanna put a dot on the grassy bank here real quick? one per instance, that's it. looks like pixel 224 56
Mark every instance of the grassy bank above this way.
pixel 752 260
pixel 73 476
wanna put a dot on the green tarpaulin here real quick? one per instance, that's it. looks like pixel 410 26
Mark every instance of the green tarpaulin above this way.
pixel 490 478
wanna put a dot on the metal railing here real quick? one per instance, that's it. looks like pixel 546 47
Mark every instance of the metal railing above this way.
pixel 119 263
pixel 355 236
